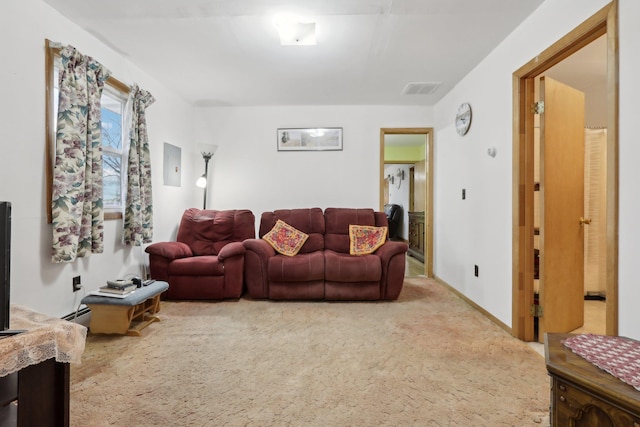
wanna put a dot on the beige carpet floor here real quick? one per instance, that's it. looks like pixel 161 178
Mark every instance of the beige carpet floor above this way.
pixel 428 359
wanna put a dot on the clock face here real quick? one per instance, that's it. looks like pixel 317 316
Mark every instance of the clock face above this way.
pixel 463 119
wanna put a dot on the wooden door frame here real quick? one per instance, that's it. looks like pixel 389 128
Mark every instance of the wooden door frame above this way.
pixel 605 21
pixel 428 217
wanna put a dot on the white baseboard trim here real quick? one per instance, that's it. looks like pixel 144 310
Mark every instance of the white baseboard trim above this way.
pixel 82 317
pixel 474 305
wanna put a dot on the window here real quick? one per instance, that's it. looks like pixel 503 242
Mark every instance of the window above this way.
pixel 113 101
pixel 112 110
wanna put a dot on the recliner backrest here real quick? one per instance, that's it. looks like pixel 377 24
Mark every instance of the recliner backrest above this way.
pixel 308 220
pixel 337 221
pixel 206 232
pixel 393 211
pixel 394 217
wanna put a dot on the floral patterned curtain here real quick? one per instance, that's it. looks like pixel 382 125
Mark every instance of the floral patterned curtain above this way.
pixel 77 211
pixel 138 213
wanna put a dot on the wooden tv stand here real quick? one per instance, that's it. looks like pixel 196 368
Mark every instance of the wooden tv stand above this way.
pixel 37 395
pixel 34 369
pixel 583 395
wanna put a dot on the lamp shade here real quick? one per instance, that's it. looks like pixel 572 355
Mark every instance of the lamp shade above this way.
pixel 207 150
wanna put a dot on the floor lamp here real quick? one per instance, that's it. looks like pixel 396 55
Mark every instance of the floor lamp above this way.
pixel 207 151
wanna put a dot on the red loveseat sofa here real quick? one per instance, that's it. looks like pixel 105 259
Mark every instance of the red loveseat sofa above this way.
pixel 323 268
pixel 207 260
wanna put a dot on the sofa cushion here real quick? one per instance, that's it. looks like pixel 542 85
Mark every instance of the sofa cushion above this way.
pixel 347 268
pixel 365 239
pixel 309 221
pixel 285 239
pixel 300 268
pixel 207 231
pixel 337 221
pixel 207 265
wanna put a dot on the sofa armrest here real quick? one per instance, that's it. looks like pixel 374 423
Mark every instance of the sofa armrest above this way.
pixel 390 249
pixel 392 255
pixel 256 262
pixel 169 250
pixel 260 247
pixel 230 250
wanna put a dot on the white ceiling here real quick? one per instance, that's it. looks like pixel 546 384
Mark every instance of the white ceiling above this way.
pixel 227 52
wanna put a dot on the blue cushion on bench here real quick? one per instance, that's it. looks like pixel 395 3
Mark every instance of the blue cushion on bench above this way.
pixel 134 298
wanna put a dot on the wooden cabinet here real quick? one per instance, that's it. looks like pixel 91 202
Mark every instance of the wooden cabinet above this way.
pixel 34 386
pixel 37 395
pixel 416 235
pixel 583 395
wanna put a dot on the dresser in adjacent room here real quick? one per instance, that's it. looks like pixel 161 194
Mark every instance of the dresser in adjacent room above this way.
pixel 416 235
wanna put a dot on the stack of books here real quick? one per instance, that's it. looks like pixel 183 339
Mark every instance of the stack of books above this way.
pixel 119 287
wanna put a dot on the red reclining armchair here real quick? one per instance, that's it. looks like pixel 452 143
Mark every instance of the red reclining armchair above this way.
pixel 207 260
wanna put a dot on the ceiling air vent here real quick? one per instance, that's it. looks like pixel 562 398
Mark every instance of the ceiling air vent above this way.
pixel 420 88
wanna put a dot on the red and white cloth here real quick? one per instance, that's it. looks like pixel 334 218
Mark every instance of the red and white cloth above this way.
pixel 618 356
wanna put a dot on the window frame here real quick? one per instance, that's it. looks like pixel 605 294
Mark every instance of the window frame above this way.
pixel 52 50
pixel 121 99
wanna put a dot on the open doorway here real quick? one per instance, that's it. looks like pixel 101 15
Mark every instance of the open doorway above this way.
pixel 585 73
pixel 406 178
pixel 525 240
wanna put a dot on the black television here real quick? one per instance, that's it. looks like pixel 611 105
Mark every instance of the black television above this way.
pixel 5 263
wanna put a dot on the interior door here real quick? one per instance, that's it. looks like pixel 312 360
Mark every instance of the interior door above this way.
pixel 562 207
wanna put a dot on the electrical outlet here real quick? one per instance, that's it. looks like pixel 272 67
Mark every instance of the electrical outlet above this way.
pixel 476 271
pixel 464 194
pixel 76 283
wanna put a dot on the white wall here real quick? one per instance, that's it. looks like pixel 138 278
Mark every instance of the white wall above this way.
pixel 629 207
pixel 479 230
pixel 248 171
pixel 35 281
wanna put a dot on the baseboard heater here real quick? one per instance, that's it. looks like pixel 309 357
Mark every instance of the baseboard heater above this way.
pixel 73 316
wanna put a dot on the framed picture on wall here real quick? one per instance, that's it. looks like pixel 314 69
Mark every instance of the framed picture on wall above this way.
pixel 309 139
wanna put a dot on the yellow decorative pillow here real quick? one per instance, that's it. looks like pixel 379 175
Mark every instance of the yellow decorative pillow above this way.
pixel 365 239
pixel 285 239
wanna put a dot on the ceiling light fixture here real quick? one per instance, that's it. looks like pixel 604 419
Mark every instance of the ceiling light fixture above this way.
pixel 295 31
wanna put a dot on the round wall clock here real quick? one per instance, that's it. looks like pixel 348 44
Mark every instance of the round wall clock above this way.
pixel 463 118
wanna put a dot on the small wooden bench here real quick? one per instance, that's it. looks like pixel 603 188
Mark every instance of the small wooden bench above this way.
pixel 128 315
